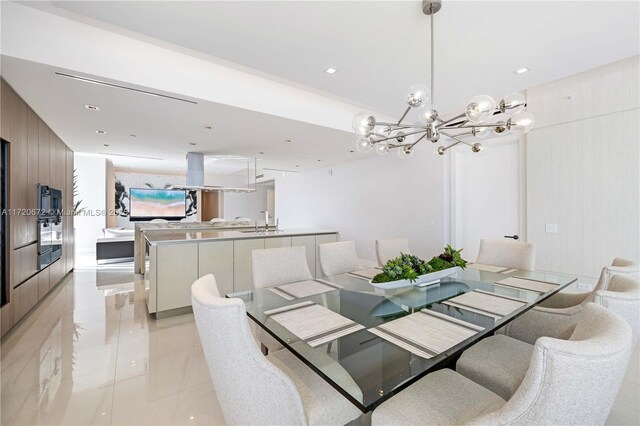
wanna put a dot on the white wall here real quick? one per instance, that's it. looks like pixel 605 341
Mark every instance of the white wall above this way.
pixel 369 199
pixel 250 204
pixel 583 170
pixel 91 175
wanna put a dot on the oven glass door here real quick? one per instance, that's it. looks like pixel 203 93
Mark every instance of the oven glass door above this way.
pixel 56 239
pixel 44 243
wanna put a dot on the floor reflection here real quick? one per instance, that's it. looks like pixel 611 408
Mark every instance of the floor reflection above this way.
pixel 91 354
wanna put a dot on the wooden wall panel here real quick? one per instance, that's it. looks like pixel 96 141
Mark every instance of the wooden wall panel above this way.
pixel 33 143
pixel 19 159
pixel 37 155
pixel 8 121
pixel 25 263
pixel 28 297
pixel 44 283
pixel 44 152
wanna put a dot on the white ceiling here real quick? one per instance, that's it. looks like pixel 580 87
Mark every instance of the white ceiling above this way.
pixel 164 128
pixel 379 49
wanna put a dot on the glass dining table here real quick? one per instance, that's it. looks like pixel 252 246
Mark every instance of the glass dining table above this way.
pixel 370 344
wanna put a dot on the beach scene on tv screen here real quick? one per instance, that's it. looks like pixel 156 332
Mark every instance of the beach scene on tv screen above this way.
pixel 157 203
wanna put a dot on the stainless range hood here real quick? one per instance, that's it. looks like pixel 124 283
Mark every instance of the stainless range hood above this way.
pixel 232 172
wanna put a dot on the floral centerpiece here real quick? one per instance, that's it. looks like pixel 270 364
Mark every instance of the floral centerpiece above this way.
pixel 411 268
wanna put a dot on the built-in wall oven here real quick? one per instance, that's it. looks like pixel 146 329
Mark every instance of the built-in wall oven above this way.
pixel 49 225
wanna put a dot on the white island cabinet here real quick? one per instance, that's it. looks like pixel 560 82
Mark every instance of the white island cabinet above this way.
pixel 176 260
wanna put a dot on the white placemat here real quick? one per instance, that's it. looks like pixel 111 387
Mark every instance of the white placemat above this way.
pixel 313 323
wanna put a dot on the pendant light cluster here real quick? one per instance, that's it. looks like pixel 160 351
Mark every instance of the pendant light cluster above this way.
pixel 482 116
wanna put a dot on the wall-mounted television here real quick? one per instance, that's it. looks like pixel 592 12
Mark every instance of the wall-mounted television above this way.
pixel 148 204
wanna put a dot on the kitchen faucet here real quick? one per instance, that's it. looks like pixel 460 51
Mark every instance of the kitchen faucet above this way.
pixel 266 219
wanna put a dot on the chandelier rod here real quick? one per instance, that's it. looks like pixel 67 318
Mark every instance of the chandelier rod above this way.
pixel 432 55
pixel 403 115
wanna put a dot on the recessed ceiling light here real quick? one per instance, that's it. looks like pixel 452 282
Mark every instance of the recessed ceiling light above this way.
pixel 330 70
pixel 297 165
pixel 101 132
pixel 133 136
pixel 521 70
pixel 352 151
pixel 193 144
pixel 105 144
pixel 208 126
pixel 261 153
pixel 92 107
pixel 287 141
pixel 318 160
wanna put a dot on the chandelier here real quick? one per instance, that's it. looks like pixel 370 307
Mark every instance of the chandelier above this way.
pixel 482 117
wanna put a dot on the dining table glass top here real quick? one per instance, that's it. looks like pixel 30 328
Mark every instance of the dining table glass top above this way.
pixel 370 344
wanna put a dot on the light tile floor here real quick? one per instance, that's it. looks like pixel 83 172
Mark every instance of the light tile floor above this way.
pixel 91 354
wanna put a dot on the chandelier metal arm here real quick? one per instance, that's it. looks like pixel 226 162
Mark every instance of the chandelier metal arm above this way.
pixel 396 136
pixel 456 138
pixel 451 120
pixel 404 115
pixel 418 140
pixel 395 126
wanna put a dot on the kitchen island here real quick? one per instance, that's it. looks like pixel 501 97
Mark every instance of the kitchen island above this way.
pixel 142 229
pixel 177 259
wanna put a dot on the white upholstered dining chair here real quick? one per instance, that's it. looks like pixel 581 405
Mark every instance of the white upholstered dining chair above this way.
pixel 509 254
pixel 253 389
pixel 622 297
pixel 619 266
pixel 500 363
pixel 157 220
pixel 338 258
pixel 391 248
pixel 571 381
pixel 276 266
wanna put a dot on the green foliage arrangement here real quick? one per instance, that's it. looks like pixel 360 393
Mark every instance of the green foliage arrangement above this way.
pixel 409 267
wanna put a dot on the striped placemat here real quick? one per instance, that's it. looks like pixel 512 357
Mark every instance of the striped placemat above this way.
pixel 527 284
pixel 301 289
pixel 426 333
pixel 312 323
pixel 365 274
pixel 488 268
pixel 508 271
pixel 485 303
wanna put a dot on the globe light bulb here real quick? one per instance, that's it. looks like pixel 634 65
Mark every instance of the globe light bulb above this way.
pixel 521 122
pixel 512 103
pixel 418 95
pixel 382 131
pixel 405 152
pixel 441 150
pixel 382 148
pixel 426 113
pixel 476 147
pixel 363 123
pixel 481 132
pixel 364 145
pixel 480 108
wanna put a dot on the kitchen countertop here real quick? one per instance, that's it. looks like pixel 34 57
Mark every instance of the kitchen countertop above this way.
pixel 202 236
pixel 188 226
